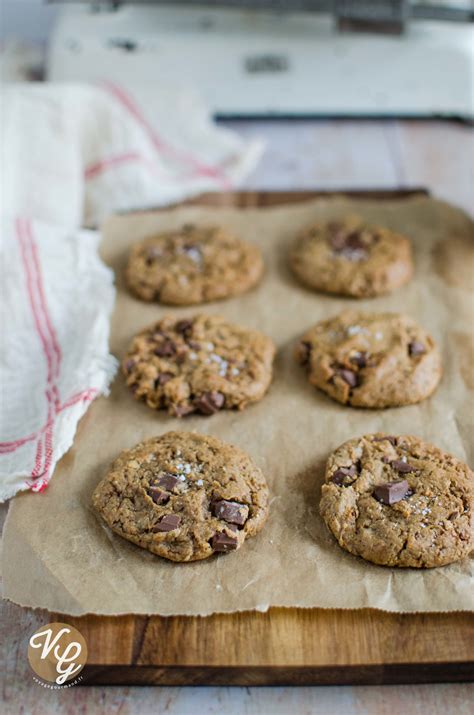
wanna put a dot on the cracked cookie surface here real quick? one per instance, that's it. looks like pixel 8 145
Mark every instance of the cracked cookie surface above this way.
pixel 183 496
pixel 371 359
pixel 192 265
pixel 349 257
pixel 202 364
pixel 399 501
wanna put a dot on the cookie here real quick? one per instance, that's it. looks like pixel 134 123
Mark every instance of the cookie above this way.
pixel 183 496
pixel 202 364
pixel 399 501
pixel 371 359
pixel 192 265
pixel 349 257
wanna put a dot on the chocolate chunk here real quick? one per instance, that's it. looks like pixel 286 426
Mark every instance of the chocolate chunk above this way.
pixel 163 378
pixel 183 410
pixel 223 542
pixel 168 523
pixel 166 349
pixel 304 352
pixel 230 511
pixel 129 365
pixel 340 474
pixel 184 327
pixel 167 481
pixel 386 460
pixel 209 403
pixel 348 376
pixel 416 348
pixel 388 438
pixel 360 359
pixel 400 466
pixel 392 492
pixel 158 495
pixel 354 241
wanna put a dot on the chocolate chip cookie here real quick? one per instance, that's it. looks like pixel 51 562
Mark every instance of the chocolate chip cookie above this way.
pixel 202 364
pixel 371 359
pixel 183 496
pixel 349 257
pixel 399 501
pixel 194 264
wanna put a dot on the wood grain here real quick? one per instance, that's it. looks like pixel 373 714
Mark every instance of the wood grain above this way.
pixel 282 646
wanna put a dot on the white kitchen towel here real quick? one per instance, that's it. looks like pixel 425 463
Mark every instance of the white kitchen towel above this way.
pixel 57 298
pixel 71 155
pixel 74 154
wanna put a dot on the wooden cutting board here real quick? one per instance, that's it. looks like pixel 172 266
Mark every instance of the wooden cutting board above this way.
pixel 282 646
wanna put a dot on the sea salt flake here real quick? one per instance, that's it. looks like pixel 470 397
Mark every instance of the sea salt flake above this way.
pixel 353 330
pixel 378 335
pixel 199 482
pixel 194 254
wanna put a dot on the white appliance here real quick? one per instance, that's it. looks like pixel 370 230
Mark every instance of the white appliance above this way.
pixel 264 62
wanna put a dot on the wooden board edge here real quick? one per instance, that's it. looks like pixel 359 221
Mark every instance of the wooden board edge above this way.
pixel 248 198
pixel 392 674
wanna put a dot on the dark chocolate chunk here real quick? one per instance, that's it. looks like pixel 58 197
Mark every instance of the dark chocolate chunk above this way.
pixel 223 542
pixel 348 376
pixel 209 403
pixel 163 378
pixel 386 460
pixel 167 481
pixel 360 359
pixel 416 348
pixel 168 523
pixel 158 495
pixel 304 352
pixel 184 327
pixel 354 241
pixel 230 511
pixel 400 466
pixel 129 365
pixel 392 492
pixel 183 410
pixel 340 474
pixel 166 349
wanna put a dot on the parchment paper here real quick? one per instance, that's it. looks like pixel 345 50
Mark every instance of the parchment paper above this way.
pixel 59 556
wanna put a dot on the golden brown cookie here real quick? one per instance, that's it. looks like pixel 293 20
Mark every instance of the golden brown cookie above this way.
pixel 202 364
pixel 371 359
pixel 399 501
pixel 194 264
pixel 183 496
pixel 349 257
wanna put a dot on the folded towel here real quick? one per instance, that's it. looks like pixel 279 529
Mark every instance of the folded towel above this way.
pixel 71 155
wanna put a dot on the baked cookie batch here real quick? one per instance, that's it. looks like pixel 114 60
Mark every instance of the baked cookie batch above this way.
pixel 392 500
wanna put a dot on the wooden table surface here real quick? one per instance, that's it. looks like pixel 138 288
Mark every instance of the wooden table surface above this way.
pixel 299 155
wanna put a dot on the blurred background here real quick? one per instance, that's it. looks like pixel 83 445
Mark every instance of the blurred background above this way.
pixel 368 94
